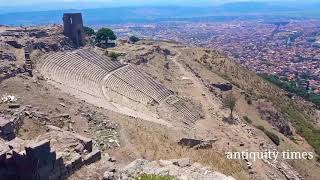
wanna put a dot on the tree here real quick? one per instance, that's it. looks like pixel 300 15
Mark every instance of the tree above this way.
pixel 104 35
pixel 89 31
pixel 134 39
pixel 230 102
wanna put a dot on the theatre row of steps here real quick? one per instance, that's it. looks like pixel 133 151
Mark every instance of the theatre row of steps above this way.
pixel 190 115
pixel 136 85
pixel 98 76
pixel 73 69
pixel 101 61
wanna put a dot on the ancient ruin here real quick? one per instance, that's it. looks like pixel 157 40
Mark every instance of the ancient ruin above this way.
pixel 98 76
pixel 46 157
pixel 69 110
pixel 73 28
pixel 28 62
pixel 6 128
pixel 7 56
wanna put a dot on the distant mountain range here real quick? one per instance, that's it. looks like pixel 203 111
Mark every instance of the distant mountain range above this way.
pixel 229 11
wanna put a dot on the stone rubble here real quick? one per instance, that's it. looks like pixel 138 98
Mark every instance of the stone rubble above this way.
pixel 181 169
pixel 7 56
pixel 105 130
pixel 10 70
pixel 50 156
pixel 8 99
pixel 196 144
pixel 271 115
pixel 286 169
pixel 6 128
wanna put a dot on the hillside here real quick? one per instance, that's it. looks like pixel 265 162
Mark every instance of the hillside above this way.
pixel 152 107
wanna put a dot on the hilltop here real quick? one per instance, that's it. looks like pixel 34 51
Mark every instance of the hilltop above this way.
pixel 176 113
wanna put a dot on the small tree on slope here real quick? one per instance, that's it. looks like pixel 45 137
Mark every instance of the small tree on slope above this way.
pixel 230 102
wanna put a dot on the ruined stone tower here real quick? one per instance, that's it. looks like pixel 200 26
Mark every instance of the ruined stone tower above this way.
pixel 73 28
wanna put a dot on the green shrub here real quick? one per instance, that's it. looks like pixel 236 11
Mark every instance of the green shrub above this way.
pixel 317 151
pixel 114 56
pixel 303 127
pixel 134 39
pixel 247 119
pixel 249 101
pixel 154 177
pixel 89 31
pixel 274 138
pixel 260 127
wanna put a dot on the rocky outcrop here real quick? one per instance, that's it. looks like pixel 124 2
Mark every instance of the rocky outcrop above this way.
pixel 222 87
pixel 14 44
pixel 7 56
pixel 10 70
pixel 6 128
pixel 195 143
pixel 45 39
pixel 57 45
pixel 38 34
pixel 275 118
pixel 182 169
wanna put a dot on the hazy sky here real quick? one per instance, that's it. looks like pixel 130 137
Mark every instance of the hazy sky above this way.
pixel 4 3
pixel 12 5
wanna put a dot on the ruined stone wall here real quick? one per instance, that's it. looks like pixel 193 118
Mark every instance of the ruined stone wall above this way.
pixel 73 28
pixel 39 162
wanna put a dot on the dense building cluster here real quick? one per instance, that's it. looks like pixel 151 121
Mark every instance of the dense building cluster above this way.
pixel 288 49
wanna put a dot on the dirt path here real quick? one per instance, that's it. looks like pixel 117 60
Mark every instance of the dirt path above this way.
pixel 200 91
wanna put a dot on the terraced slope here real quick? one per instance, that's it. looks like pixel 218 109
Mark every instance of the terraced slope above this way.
pixel 82 70
pixel 98 76
pixel 132 83
pixel 181 107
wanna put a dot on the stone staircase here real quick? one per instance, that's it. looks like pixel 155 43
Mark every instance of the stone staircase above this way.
pixel 28 62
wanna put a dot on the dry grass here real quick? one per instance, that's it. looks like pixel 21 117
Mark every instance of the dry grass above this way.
pixel 155 145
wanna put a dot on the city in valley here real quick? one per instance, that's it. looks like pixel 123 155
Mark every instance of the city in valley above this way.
pixel 289 49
